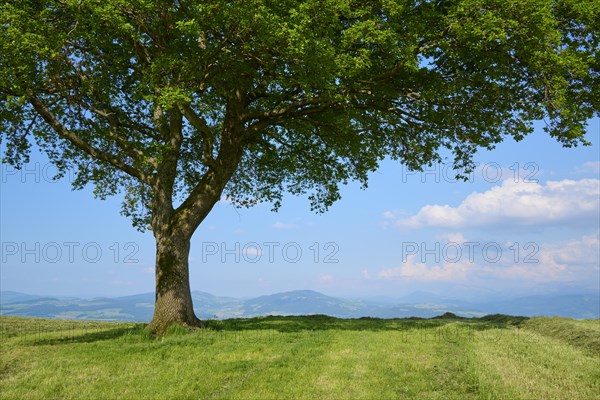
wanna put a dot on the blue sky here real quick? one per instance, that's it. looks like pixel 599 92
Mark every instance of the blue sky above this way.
pixel 527 222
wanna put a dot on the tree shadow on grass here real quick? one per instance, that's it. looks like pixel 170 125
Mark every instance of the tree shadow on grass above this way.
pixel 281 324
pixel 324 322
pixel 78 335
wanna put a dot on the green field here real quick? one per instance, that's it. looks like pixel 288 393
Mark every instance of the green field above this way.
pixel 312 357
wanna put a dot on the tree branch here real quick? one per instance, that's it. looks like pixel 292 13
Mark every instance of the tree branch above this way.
pixel 294 110
pixel 292 149
pixel 64 133
pixel 200 124
pixel 117 136
pixel 208 191
pixel 123 120
pixel 161 123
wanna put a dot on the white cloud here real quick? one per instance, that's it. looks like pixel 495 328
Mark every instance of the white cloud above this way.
pixel 252 252
pixel 281 225
pixel 571 261
pixel 575 260
pixel 325 278
pixel 585 251
pixel 452 237
pixel 590 167
pixel 392 214
pixel 516 203
pixel 390 217
pixel 420 271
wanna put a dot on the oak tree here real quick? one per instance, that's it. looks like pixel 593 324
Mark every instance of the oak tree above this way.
pixel 175 103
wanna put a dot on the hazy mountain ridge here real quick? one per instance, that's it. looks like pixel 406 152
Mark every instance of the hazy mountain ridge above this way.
pixel 300 302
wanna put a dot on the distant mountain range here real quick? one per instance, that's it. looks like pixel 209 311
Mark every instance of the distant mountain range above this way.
pixel 300 302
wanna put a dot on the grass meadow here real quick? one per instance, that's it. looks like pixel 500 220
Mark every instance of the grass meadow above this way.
pixel 310 357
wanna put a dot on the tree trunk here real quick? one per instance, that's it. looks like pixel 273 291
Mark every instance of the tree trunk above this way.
pixel 173 229
pixel 173 296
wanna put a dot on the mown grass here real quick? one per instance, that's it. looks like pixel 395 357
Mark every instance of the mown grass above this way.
pixel 314 357
pixel 582 334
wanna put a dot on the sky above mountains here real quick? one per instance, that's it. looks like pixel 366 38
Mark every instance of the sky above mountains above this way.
pixel 526 222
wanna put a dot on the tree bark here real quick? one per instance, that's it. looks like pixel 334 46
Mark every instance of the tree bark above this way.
pixel 173 296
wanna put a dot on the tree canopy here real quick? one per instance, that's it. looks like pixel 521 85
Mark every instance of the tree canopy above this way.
pixel 319 91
